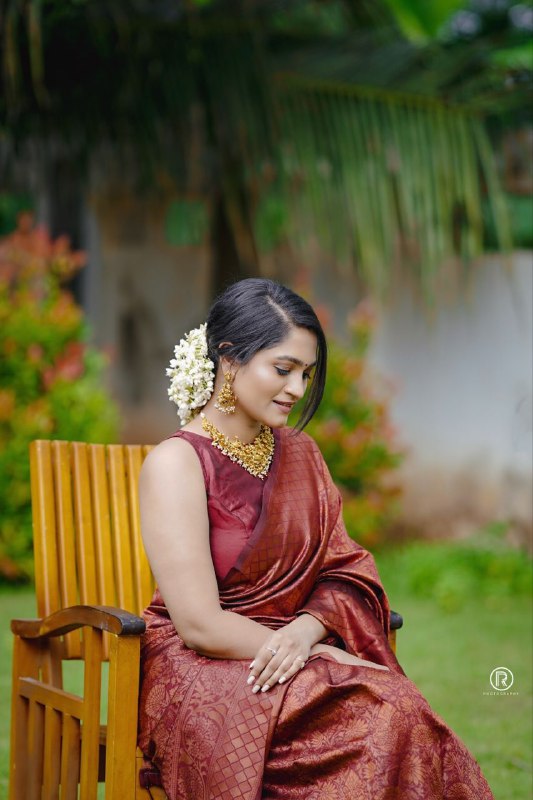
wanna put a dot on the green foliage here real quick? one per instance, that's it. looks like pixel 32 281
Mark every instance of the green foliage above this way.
pixel 186 223
pixel 11 205
pixel 483 566
pixel 375 144
pixel 421 20
pixel 50 379
pixel 521 209
pixel 353 430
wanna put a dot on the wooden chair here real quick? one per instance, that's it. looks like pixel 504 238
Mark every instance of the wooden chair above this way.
pixel 92 581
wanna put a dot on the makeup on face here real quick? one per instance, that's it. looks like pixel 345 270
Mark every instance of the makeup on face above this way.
pixel 277 377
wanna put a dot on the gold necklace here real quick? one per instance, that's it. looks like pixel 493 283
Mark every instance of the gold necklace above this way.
pixel 254 457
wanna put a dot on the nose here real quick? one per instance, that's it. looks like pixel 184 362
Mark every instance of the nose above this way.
pixel 295 385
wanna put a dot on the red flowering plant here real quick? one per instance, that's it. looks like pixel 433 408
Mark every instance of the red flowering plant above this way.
pixel 354 432
pixel 50 378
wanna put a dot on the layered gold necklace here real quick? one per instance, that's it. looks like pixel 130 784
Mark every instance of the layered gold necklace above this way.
pixel 254 457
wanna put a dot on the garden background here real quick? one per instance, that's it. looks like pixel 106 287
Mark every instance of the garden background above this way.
pixel 373 155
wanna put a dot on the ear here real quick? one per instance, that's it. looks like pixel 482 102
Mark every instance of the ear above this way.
pixel 226 364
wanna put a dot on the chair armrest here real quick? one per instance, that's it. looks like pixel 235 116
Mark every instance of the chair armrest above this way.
pixel 396 620
pixel 105 618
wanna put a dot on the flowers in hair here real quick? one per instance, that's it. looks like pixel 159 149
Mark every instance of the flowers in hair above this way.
pixel 192 374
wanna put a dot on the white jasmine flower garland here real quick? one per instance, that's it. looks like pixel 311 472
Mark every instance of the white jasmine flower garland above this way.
pixel 192 374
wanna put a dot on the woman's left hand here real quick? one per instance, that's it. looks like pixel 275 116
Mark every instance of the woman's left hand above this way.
pixel 285 652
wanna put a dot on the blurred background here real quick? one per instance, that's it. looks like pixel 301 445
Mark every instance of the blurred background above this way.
pixel 374 155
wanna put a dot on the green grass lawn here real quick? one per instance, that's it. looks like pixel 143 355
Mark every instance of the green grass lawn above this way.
pixel 448 655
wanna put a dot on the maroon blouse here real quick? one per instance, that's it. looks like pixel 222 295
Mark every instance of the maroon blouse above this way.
pixel 234 500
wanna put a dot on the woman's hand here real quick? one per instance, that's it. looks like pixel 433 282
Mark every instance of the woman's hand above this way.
pixel 285 652
pixel 345 658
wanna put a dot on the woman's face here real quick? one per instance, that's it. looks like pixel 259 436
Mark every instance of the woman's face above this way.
pixel 275 378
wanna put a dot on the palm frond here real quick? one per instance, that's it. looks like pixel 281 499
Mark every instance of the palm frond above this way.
pixel 386 178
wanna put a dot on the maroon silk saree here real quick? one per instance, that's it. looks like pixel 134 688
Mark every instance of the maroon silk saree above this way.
pixel 334 731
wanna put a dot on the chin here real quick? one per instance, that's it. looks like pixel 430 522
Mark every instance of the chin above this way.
pixel 274 420
pixel 272 417
pixel 277 423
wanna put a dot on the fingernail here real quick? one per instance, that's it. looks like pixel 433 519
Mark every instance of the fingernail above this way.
pixel 265 688
pixel 282 679
pixel 250 680
pixel 251 665
pixel 256 688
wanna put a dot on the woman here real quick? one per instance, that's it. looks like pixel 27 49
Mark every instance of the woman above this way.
pixel 266 669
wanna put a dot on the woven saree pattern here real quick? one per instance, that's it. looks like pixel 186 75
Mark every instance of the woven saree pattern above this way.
pixel 332 732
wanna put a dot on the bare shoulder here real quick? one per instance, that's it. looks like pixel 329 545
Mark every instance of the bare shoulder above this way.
pixel 172 458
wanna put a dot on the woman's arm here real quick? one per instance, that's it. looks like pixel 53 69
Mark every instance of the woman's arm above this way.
pixel 175 530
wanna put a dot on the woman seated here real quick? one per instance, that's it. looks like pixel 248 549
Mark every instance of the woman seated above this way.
pixel 266 668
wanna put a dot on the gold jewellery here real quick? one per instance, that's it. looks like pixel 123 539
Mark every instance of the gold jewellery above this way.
pixel 254 457
pixel 226 397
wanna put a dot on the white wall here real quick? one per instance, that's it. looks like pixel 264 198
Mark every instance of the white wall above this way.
pixel 464 400
pixel 141 296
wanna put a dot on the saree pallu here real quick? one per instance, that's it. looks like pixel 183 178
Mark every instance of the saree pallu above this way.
pixel 333 731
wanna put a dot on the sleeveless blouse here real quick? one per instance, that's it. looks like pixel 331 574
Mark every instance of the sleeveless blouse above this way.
pixel 234 499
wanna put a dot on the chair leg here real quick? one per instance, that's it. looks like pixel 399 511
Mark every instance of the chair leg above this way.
pixel 26 656
pixel 121 775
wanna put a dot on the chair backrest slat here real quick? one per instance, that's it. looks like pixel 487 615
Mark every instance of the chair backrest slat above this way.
pixel 66 548
pixel 143 581
pixel 121 528
pixel 44 526
pixel 87 536
pixel 102 526
pixel 83 513
pixel 66 544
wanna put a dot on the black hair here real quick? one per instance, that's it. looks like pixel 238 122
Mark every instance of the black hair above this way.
pixel 257 313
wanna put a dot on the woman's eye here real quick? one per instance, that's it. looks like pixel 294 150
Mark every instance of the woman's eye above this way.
pixel 307 376
pixel 281 371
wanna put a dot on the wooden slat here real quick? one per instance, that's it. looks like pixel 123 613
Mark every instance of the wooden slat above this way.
pixel 66 547
pixel 92 640
pixel 44 528
pixel 84 525
pixel 146 448
pixel 105 573
pixel 142 575
pixel 34 763
pixel 66 550
pixel 52 754
pixel 70 758
pixel 121 777
pixel 38 692
pixel 52 662
pixel 121 527
pixel 102 526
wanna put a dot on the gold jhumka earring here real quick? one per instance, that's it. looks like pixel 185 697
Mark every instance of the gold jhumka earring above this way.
pixel 225 401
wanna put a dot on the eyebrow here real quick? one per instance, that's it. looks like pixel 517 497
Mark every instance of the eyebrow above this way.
pixel 296 361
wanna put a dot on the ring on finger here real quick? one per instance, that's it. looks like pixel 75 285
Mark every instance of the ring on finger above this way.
pixel 272 650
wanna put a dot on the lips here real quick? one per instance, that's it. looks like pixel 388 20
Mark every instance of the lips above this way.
pixel 284 406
